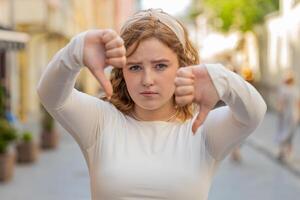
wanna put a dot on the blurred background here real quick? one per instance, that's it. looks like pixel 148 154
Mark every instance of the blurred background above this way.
pixel 258 39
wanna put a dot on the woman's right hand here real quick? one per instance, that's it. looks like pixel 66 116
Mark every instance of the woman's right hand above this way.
pixel 101 49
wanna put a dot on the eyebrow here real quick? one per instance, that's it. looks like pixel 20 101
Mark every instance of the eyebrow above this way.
pixel 152 61
pixel 160 61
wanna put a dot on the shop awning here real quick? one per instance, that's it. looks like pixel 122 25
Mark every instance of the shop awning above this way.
pixel 12 40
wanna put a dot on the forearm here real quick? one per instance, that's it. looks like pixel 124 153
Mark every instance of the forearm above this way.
pixel 58 80
pixel 247 105
pixel 80 114
pixel 226 127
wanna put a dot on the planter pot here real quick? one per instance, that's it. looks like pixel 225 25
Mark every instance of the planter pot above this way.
pixel 49 140
pixel 7 165
pixel 27 152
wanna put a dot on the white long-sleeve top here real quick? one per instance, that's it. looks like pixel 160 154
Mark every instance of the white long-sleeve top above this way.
pixel 129 159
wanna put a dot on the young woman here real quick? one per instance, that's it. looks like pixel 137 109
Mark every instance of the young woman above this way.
pixel 156 135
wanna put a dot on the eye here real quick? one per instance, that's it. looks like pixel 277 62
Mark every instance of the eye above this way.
pixel 135 68
pixel 161 66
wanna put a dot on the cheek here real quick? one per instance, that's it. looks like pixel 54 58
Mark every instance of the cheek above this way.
pixel 131 88
pixel 131 82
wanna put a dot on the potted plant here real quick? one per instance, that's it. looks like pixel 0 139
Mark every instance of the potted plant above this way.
pixel 27 149
pixel 49 136
pixel 7 155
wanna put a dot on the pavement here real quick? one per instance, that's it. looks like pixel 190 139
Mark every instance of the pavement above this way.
pixel 256 178
pixel 263 140
pixel 59 174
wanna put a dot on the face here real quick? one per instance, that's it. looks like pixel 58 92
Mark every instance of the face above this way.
pixel 149 75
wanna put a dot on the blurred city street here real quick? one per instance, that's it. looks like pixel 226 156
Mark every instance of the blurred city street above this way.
pixel 258 40
pixel 62 173
pixel 259 176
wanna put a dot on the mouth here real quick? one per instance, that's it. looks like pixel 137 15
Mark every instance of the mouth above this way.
pixel 148 93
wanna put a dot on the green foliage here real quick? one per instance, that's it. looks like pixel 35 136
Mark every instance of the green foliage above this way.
pixel 7 135
pixel 194 10
pixel 26 136
pixel 241 14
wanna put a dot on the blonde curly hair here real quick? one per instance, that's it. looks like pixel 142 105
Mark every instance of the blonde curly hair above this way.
pixel 144 25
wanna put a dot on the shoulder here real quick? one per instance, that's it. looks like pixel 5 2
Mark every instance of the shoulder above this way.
pixel 109 108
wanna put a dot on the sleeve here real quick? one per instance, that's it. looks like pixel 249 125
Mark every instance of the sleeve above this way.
pixel 226 127
pixel 80 114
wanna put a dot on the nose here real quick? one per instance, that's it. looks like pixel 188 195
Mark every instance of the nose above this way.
pixel 147 79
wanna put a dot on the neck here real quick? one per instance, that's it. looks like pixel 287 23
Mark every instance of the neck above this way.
pixel 155 115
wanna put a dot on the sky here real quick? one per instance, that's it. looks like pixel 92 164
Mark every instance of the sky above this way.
pixel 173 7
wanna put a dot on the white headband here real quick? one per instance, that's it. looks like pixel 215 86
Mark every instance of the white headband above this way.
pixel 164 18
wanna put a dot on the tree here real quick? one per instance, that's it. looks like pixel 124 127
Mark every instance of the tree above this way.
pixel 240 14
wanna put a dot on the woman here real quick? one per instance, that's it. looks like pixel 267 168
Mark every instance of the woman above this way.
pixel 147 140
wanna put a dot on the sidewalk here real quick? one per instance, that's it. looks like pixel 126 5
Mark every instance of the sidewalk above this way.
pixel 263 140
pixel 58 174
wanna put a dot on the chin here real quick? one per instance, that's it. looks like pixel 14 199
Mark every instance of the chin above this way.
pixel 151 105
pixel 148 106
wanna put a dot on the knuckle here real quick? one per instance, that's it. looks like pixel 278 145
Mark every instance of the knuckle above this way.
pixel 179 72
pixel 111 31
pixel 123 51
pixel 109 35
pixel 177 81
pixel 123 59
pixel 120 52
pixel 120 41
pixel 177 91
pixel 107 54
pixel 181 101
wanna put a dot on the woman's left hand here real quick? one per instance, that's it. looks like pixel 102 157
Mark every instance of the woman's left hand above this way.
pixel 194 84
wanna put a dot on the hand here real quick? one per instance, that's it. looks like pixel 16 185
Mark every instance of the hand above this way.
pixel 193 84
pixel 101 49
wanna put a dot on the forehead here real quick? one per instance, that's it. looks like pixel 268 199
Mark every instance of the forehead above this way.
pixel 151 47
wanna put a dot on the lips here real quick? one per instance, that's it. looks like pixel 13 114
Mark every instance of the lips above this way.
pixel 148 93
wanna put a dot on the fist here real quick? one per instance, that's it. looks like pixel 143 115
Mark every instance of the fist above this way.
pixel 101 49
pixel 194 84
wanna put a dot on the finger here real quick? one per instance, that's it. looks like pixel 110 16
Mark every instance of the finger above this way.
pixel 116 52
pixel 117 42
pixel 118 62
pixel 184 100
pixel 181 81
pixel 108 35
pixel 185 72
pixel 200 70
pixel 105 83
pixel 200 119
pixel 184 90
pixel 94 35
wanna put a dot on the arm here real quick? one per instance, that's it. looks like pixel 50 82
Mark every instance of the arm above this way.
pixel 80 114
pixel 77 112
pixel 226 127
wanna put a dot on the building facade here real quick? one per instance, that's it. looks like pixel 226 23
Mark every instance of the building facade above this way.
pixel 280 51
pixel 43 27
pixel 12 45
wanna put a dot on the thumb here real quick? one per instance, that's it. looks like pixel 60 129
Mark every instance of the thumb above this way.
pixel 201 116
pixel 104 82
